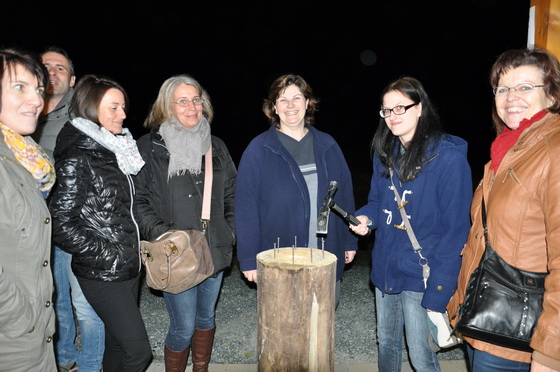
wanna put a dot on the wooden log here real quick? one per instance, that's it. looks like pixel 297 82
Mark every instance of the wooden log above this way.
pixel 296 303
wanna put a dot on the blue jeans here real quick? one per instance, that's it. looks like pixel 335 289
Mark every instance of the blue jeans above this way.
pixel 68 293
pixel 193 308
pixel 397 313
pixel 480 361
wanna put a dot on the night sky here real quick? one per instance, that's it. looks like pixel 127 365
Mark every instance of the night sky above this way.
pixel 347 51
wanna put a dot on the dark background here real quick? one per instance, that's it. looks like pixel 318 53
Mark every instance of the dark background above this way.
pixel 347 50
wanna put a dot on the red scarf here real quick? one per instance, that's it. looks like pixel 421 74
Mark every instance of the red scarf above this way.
pixel 508 138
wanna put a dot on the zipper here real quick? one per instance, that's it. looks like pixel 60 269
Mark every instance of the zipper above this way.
pixel 511 173
pixel 132 193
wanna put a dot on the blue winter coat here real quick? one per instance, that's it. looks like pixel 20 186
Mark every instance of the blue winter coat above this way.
pixel 439 200
pixel 272 201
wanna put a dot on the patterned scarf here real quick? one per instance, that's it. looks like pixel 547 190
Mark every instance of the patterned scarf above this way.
pixel 122 145
pixel 31 156
pixel 186 146
pixel 505 140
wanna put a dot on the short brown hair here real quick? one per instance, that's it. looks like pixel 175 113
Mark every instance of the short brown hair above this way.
pixel 88 94
pixel 278 86
pixel 542 59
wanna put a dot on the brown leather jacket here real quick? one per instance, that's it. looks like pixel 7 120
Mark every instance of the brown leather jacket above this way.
pixel 523 220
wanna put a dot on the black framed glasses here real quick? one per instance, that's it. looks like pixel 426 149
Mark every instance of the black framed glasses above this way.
pixel 397 110
pixel 523 88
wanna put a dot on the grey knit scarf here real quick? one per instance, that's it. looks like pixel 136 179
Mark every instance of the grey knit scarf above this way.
pixel 186 146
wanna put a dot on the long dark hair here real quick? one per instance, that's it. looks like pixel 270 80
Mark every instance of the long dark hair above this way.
pixel 409 163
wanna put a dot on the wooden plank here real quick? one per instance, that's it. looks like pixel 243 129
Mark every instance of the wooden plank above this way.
pixel 547 25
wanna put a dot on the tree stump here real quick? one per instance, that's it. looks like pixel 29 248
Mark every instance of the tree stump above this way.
pixel 296 303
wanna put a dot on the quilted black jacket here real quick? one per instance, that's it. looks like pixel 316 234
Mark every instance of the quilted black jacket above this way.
pixel 91 207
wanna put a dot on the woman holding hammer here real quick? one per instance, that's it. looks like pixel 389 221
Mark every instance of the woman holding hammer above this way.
pixel 416 163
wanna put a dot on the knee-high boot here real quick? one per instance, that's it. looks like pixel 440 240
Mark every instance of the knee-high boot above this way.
pixel 175 361
pixel 201 344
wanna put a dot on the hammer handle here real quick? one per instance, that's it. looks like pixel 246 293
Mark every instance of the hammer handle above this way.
pixel 347 216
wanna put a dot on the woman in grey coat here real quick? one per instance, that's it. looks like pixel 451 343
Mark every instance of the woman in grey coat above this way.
pixel 26 314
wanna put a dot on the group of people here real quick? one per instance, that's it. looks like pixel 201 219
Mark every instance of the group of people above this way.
pixel 79 192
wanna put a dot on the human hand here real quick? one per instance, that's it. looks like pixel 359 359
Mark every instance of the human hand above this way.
pixel 250 275
pixel 362 229
pixel 349 256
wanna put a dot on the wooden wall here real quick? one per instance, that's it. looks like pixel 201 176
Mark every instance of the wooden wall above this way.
pixel 547 25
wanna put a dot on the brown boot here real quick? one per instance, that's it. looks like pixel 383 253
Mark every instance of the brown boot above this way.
pixel 201 344
pixel 175 361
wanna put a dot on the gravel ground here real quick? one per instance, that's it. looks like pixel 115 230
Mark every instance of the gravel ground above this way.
pixel 236 319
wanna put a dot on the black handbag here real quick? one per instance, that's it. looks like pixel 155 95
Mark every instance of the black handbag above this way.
pixel 502 303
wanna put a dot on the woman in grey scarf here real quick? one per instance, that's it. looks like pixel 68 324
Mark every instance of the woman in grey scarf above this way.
pixel 169 197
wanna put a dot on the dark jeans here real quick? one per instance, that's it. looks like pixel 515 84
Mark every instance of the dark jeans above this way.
pixel 481 361
pixel 127 347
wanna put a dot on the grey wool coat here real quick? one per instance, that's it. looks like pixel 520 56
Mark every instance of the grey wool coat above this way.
pixel 26 287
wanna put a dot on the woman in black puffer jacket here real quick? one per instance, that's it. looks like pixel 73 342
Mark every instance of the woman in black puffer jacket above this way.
pixel 92 208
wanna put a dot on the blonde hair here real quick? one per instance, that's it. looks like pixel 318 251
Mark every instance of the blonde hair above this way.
pixel 161 109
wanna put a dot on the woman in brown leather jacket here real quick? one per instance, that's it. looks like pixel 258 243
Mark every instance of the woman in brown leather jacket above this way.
pixel 521 189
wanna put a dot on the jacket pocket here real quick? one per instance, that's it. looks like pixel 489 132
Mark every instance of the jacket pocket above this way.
pixel 409 264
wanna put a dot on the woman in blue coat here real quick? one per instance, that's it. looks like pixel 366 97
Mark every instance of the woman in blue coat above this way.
pixel 433 179
pixel 283 178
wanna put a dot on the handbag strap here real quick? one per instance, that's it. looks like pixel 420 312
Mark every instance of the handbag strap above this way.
pixel 484 219
pixel 408 227
pixel 206 196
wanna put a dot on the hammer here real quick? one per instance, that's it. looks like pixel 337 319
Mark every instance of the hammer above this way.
pixel 328 204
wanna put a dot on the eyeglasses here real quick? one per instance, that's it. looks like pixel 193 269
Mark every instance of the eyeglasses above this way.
pixel 183 102
pixel 522 88
pixel 397 110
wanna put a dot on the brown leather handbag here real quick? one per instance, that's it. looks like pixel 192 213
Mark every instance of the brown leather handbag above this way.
pixel 177 260
pixel 180 259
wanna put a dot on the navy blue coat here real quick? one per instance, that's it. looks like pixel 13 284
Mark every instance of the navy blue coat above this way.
pixel 439 200
pixel 272 200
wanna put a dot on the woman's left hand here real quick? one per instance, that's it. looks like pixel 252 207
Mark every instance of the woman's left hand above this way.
pixel 349 256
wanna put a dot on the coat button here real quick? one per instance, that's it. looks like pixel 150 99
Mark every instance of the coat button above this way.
pixel 439 287
pixel 47 304
pixel 45 263
pixel 47 220
pixel 48 339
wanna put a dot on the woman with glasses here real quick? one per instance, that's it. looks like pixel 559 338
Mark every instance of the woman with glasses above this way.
pixel 429 170
pixel 284 176
pixel 521 190
pixel 169 197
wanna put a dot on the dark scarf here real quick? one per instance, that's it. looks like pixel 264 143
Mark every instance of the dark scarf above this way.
pixel 505 140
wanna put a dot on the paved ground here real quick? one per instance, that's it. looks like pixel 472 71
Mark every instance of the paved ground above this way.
pixel 236 321
pixel 446 366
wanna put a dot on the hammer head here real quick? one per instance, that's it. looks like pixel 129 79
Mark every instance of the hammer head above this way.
pixel 324 212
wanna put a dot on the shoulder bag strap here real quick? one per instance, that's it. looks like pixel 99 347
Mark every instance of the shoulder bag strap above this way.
pixel 206 196
pixel 417 248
